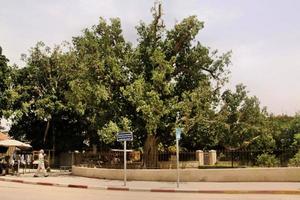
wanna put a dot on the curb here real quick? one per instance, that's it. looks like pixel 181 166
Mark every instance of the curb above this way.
pixel 278 192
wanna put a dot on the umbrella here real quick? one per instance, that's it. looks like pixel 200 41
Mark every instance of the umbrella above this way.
pixel 14 143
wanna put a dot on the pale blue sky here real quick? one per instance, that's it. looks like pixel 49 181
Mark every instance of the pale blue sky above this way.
pixel 264 35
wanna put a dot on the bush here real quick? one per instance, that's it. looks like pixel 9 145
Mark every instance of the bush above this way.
pixel 295 161
pixel 222 157
pixel 267 160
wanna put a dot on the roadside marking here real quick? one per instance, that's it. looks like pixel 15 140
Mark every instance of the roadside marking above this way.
pixel 275 192
pixel 118 188
pixel 78 186
pixel 44 183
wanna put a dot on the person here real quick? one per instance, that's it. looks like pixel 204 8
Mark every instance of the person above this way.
pixel 41 165
pixel 2 168
pixel 13 163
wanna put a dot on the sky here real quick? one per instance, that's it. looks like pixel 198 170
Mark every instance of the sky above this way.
pixel 264 35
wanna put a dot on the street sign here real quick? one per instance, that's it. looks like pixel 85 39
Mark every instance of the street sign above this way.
pixel 178 133
pixel 124 136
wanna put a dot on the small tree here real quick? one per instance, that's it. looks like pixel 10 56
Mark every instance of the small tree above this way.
pixel 295 161
pixel 267 160
pixel 241 120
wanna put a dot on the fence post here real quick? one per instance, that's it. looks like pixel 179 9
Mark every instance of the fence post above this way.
pixel 231 159
pixel 94 149
pixel 72 158
pixel 200 157
pixel 212 156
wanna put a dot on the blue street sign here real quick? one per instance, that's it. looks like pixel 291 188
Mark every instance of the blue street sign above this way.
pixel 178 133
pixel 124 136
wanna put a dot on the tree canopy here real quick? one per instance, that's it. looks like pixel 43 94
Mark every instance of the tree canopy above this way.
pixel 83 92
pixel 4 80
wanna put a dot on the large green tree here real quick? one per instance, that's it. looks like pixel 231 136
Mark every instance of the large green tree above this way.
pixel 38 103
pixel 242 122
pixel 101 68
pixel 5 79
pixel 172 73
pixel 119 86
pixel 100 84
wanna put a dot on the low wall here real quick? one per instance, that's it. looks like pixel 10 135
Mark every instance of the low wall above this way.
pixel 291 174
pixel 173 164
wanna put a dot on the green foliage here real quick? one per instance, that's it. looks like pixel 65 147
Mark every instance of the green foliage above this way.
pixel 5 80
pixel 280 127
pixel 296 141
pixel 108 133
pixel 295 161
pixel 99 84
pixel 264 142
pixel 37 97
pixel 267 160
pixel 102 60
pixel 174 73
pixel 242 121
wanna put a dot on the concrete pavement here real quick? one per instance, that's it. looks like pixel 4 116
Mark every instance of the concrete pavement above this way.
pixel 16 191
pixel 67 180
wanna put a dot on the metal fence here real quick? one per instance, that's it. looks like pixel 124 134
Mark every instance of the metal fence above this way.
pixel 111 159
pixel 255 158
pixel 223 159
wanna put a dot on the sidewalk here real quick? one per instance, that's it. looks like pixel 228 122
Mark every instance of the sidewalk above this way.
pixel 65 180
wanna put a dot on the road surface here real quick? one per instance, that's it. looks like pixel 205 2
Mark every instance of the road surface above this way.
pixel 17 191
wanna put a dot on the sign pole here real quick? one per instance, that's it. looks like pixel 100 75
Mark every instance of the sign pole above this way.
pixel 178 132
pixel 177 158
pixel 125 167
pixel 124 137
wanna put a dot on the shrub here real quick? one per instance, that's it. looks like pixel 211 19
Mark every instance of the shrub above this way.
pixel 222 157
pixel 295 161
pixel 267 160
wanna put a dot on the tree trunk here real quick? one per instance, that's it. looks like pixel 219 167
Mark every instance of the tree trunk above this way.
pixel 54 143
pixel 150 157
pixel 46 130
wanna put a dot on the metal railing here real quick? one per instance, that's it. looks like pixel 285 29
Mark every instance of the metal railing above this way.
pixel 255 158
pixel 167 160
pixel 115 160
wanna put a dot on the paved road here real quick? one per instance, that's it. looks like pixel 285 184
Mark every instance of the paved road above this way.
pixel 17 191
pixel 76 180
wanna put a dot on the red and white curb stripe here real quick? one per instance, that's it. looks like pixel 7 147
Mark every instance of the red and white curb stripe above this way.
pixel 286 192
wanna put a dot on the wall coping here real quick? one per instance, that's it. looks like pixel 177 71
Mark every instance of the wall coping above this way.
pixel 286 174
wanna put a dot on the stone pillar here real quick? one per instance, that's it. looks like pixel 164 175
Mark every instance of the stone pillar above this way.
pixel 136 156
pixel 94 149
pixel 212 155
pixel 72 158
pixel 200 157
pixel 173 163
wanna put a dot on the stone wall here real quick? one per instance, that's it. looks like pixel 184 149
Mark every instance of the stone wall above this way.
pixel 173 165
pixel 291 174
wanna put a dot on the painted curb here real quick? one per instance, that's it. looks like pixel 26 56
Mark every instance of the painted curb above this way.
pixel 278 192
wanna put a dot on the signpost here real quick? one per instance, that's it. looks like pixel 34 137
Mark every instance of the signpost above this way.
pixel 124 137
pixel 178 134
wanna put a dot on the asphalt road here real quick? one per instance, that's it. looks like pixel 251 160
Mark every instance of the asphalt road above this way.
pixel 17 191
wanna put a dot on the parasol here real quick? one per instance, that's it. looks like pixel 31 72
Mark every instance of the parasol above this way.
pixel 14 143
